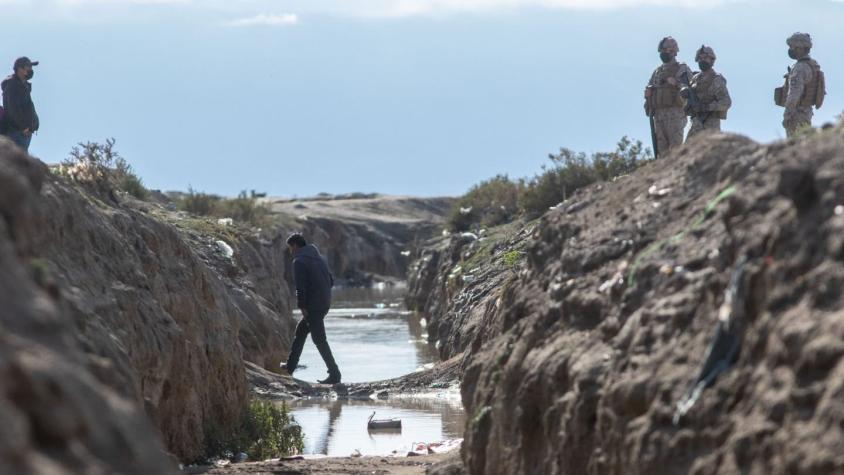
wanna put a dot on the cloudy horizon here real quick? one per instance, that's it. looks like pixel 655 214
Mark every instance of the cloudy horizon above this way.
pixel 395 96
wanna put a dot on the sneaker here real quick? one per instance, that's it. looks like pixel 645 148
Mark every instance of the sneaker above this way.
pixel 331 379
pixel 284 369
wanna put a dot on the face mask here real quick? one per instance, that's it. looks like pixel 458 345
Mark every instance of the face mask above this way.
pixel 666 57
pixel 29 75
pixel 704 65
pixel 793 54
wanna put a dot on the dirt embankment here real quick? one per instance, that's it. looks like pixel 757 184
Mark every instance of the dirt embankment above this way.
pixel 56 414
pixel 150 305
pixel 684 319
pixel 365 239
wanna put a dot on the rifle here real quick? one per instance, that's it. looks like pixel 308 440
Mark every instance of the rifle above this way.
pixel 653 135
pixel 692 100
pixel 651 112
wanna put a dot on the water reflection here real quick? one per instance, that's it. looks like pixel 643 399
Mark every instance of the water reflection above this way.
pixel 338 427
pixel 372 336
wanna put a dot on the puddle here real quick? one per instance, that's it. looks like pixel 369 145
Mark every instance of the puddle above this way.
pixel 373 337
pixel 338 427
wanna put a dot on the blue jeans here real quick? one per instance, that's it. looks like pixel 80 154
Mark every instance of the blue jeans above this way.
pixel 20 139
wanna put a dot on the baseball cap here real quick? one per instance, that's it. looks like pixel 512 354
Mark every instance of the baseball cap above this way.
pixel 24 61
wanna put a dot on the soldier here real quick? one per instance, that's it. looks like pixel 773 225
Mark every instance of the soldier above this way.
pixel 663 103
pixel 707 98
pixel 804 86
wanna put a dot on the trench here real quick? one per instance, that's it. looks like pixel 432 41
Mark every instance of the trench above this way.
pixel 374 337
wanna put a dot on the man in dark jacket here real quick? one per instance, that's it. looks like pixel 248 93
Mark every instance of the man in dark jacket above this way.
pixel 313 297
pixel 19 119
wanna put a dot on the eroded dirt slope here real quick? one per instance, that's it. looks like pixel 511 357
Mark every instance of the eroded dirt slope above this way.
pixel 365 239
pixel 165 318
pixel 55 415
pixel 728 256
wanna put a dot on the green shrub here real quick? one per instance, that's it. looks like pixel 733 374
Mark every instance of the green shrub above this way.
pixel 490 203
pixel 198 203
pixel 243 209
pixel 572 171
pixel 101 168
pixel 267 431
pixel 511 258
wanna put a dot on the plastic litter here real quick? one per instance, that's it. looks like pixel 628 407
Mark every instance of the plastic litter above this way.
pixel 726 344
pixel 225 221
pixel 658 192
pixel 373 424
pixel 225 249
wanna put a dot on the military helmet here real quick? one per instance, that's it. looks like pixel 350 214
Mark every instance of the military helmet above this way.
pixel 705 52
pixel 668 45
pixel 799 40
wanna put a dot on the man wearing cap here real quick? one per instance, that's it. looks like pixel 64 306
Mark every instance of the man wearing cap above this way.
pixel 804 87
pixel 713 98
pixel 19 119
pixel 662 98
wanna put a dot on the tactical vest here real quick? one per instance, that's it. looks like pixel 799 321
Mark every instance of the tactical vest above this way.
pixel 664 95
pixel 702 85
pixel 814 91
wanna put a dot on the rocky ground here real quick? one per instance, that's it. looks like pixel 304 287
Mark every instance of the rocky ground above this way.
pixel 683 319
pixel 273 386
pixel 444 463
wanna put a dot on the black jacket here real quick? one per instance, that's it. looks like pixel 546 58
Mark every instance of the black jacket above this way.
pixel 313 280
pixel 17 102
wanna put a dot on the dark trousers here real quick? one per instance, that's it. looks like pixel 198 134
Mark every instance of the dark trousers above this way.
pixel 19 139
pixel 315 325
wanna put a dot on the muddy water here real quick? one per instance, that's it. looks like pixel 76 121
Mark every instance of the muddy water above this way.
pixel 373 337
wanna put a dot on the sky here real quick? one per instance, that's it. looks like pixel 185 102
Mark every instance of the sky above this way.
pixel 412 97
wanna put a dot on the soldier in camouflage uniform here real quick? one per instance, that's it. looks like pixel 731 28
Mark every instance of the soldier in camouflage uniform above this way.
pixel 662 97
pixel 711 90
pixel 804 86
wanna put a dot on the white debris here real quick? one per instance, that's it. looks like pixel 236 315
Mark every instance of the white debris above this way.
pixel 466 210
pixel 656 191
pixel 225 249
pixel 405 253
pixel 225 221
pixel 470 236
pixel 839 210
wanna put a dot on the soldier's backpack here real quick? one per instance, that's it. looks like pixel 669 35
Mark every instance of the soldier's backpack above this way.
pixel 820 92
pixel 814 94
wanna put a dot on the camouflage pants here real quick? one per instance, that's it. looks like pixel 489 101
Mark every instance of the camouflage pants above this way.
pixel 795 119
pixel 668 127
pixel 712 124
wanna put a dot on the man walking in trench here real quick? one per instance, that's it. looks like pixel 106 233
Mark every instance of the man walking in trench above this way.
pixel 313 297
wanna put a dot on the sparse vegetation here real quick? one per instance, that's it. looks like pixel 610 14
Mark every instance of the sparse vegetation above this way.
pixel 511 258
pixel 243 209
pixel 267 431
pixel 100 168
pixel 500 200
pixel 572 171
pixel 490 203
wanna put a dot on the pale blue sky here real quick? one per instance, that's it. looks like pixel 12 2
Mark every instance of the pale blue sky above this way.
pixel 395 96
